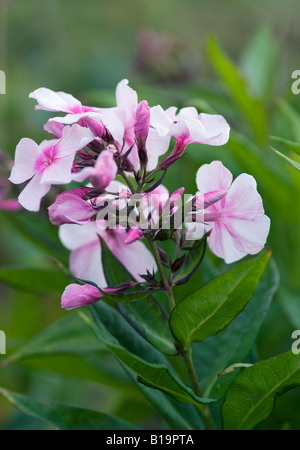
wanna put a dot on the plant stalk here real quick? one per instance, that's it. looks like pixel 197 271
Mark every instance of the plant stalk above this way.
pixel 203 409
pixel 161 271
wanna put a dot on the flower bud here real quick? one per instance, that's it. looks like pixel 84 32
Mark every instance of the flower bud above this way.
pixel 141 129
pixel 134 234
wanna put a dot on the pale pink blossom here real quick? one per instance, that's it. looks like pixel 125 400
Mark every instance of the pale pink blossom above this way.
pixel 46 164
pixel 49 100
pixel 85 259
pixel 104 171
pixel 237 223
pixel 187 126
pixel 71 207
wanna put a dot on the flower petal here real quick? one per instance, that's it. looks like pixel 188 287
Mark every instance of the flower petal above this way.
pixel 243 201
pixel 54 101
pixel 216 128
pixel 156 146
pixel 223 244
pixel 250 237
pixel 212 177
pixel 31 196
pixel 27 152
pixel 71 207
pixel 76 295
pixel 85 263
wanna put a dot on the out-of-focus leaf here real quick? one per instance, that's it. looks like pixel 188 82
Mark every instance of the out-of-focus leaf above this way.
pixel 64 417
pixel 252 108
pixel 34 280
pixel 209 310
pixel 67 336
pixel 234 344
pixel 146 316
pixel 287 159
pixel 250 398
pixel 292 118
pixel 259 61
pixel 38 231
pixel 156 376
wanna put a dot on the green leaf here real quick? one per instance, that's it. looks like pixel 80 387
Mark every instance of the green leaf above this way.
pixel 157 376
pixel 210 309
pixel 64 417
pixel 290 145
pixel 38 231
pixel 127 297
pixel 287 159
pixel 235 342
pixel 67 336
pixel 250 107
pixel 145 315
pixel 178 416
pixel 34 280
pixel 250 398
pixel 192 261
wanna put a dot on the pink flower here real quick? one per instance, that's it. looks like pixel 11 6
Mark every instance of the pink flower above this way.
pixel 46 164
pixel 60 101
pixel 49 100
pixel 85 260
pixel 71 207
pixel 188 126
pixel 237 223
pixel 76 295
pixel 104 171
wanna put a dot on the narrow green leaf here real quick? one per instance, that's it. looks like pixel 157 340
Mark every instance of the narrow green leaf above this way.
pixel 34 280
pixel 64 417
pixel 145 315
pixel 250 398
pixel 251 108
pixel 210 309
pixel 290 145
pixel 287 159
pixel 157 376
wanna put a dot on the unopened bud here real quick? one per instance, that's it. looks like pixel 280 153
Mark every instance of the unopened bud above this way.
pixel 141 129
pixel 134 234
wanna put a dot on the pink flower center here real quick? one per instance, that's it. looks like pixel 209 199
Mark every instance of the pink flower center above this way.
pixel 46 158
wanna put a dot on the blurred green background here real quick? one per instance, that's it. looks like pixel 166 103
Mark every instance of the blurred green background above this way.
pixel 234 58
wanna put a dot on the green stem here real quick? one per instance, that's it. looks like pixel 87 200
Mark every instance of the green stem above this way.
pixel 204 410
pixel 161 271
pixel 129 184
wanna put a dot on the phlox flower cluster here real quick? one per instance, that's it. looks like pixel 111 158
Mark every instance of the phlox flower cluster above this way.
pixel 116 159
